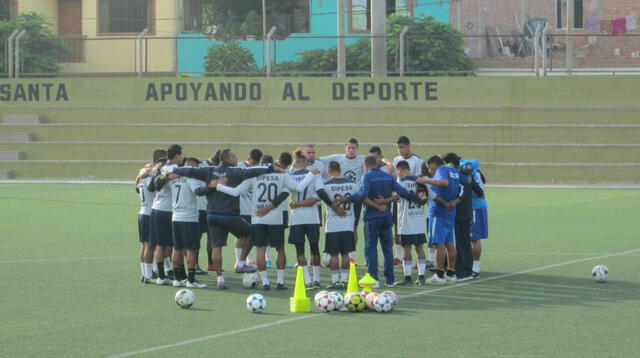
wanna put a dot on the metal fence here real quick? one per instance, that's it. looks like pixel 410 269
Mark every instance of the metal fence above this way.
pixel 541 53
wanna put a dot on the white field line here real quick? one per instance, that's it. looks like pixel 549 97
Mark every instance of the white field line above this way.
pixel 66 259
pixel 417 294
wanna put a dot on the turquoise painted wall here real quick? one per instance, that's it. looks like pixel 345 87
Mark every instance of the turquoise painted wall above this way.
pixel 192 48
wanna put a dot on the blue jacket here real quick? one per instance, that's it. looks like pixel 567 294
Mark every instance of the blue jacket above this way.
pixel 377 183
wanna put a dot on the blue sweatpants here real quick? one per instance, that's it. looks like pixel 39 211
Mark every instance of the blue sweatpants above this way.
pixel 374 230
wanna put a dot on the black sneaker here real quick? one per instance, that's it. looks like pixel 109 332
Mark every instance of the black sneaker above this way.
pixel 335 286
pixel 199 271
pixel 421 280
pixel 475 274
pixel 154 275
pixel 465 278
pixel 170 275
pixel 406 282
pixel 282 286
pixel 266 287
pixel 316 284
pixel 308 286
pixel 430 266
pixel 343 284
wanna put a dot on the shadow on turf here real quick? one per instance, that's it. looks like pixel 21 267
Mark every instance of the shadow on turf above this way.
pixel 528 291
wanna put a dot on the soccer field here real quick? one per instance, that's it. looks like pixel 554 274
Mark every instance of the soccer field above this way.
pixel 70 287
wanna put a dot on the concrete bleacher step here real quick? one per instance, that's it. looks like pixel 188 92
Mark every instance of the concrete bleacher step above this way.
pixel 23 119
pixel 11 155
pixel 11 137
pixel 6 174
pixel 331 133
pixel 497 173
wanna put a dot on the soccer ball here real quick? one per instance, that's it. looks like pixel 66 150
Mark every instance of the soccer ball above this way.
pixel 326 303
pixel 337 299
pixel 356 303
pixel 370 298
pixel 250 280
pixel 392 295
pixel 383 303
pixel 256 303
pixel 318 295
pixel 600 273
pixel 185 298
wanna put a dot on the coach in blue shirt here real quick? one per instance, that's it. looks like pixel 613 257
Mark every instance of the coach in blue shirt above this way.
pixel 377 218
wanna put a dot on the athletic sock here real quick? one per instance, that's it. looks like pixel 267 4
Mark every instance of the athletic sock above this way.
pixel 476 266
pixel 168 264
pixel 344 275
pixel 154 266
pixel 238 254
pixel 407 267
pixel 399 251
pixel 316 273
pixel 432 255
pixel 335 276
pixel 161 274
pixel 148 271
pixel 209 256
pixel 264 277
pixel 421 266
pixel 267 253
pixel 251 256
pixel 451 272
pixel 183 273
pixel 305 272
pixel 192 275
pixel 280 277
pixel 352 254
pixel 220 280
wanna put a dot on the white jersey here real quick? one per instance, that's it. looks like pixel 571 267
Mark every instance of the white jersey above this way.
pixel 246 197
pixel 317 164
pixel 184 199
pixel 343 187
pixel 415 164
pixel 352 168
pixel 146 196
pixel 162 200
pixel 411 217
pixel 202 199
pixel 308 214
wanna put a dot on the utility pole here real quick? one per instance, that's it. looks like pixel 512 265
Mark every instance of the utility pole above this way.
pixel 378 39
pixel 570 21
pixel 264 31
pixel 342 56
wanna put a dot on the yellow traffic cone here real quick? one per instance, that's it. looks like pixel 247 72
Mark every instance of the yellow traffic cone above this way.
pixel 299 302
pixel 367 282
pixel 352 285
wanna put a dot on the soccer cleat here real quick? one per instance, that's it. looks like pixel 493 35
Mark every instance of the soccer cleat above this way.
pixel 179 283
pixel 170 275
pixel 163 282
pixel 405 282
pixel 397 262
pixel 465 278
pixel 266 287
pixel 199 271
pixel 269 264
pixel 196 284
pixel 308 286
pixel 253 263
pixel 288 266
pixel 335 286
pixel 282 286
pixel 435 280
pixel 390 285
pixel 450 278
pixel 420 281
pixel 154 275
pixel 475 274
pixel 430 266
pixel 316 284
pixel 221 285
pixel 343 284
pixel 245 269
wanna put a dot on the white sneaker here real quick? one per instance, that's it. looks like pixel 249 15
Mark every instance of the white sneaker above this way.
pixel 451 279
pixel 435 280
pixel 196 284
pixel 179 283
pixel 163 281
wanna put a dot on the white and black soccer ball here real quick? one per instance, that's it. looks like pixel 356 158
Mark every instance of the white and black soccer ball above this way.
pixel 392 295
pixel 185 298
pixel 383 303
pixel 600 273
pixel 370 300
pixel 256 303
pixel 318 295
pixel 325 303
pixel 337 299
pixel 250 280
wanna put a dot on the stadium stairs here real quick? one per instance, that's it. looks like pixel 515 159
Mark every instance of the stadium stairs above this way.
pixel 516 145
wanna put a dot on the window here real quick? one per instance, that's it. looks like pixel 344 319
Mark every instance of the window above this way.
pixel 125 16
pixel 561 14
pixel 8 10
pixel 192 16
pixel 360 12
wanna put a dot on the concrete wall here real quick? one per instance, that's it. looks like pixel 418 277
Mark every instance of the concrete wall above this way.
pixel 46 8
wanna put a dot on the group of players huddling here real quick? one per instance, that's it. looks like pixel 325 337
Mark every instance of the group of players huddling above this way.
pixel 255 200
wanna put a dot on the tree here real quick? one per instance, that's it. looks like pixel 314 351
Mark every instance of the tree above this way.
pixel 41 50
pixel 229 59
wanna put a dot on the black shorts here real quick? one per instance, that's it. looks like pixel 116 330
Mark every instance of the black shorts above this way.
pixel 263 235
pixel 220 227
pixel 186 235
pixel 161 231
pixel 285 219
pixel 297 233
pixel 357 209
pixel 320 213
pixel 417 239
pixel 342 242
pixel 246 218
pixel 202 220
pixel 144 228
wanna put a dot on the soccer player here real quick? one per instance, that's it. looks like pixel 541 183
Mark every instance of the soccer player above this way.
pixel 412 225
pixel 186 229
pixel 269 191
pixel 223 210
pixel 480 223
pixel 339 238
pixel 446 185
pixel 352 166
pixel 304 220
pixel 285 162
pixel 309 152
pixel 253 160
pixel 213 161
pixel 377 218
pixel 161 212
